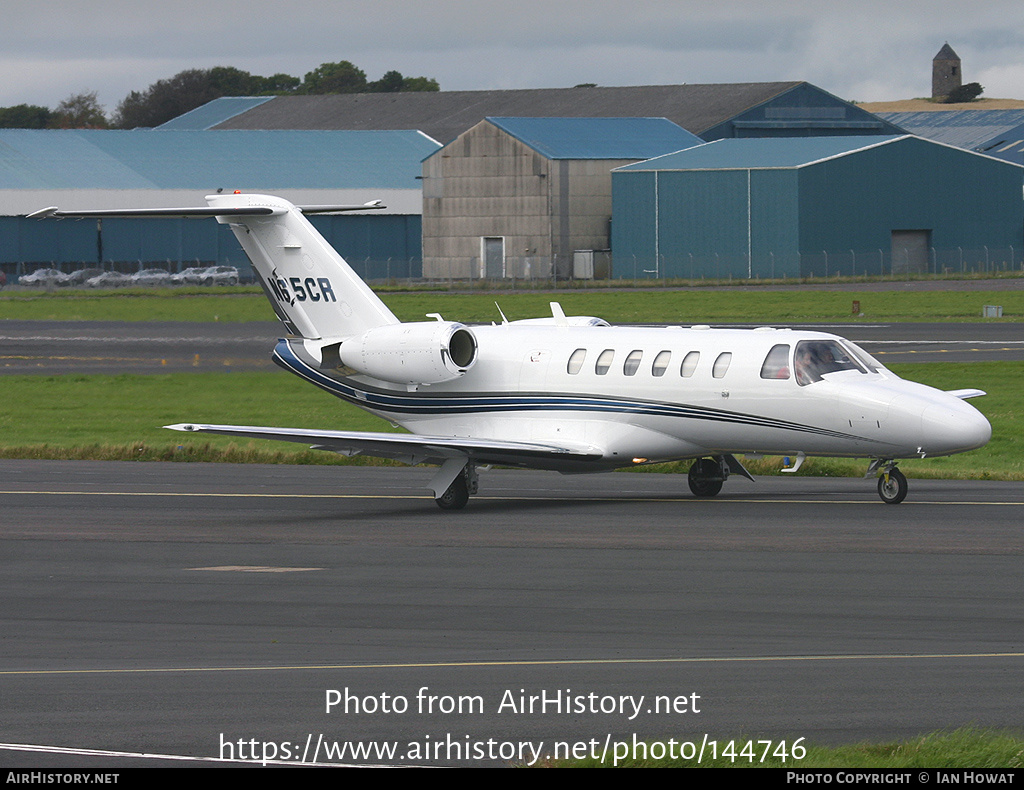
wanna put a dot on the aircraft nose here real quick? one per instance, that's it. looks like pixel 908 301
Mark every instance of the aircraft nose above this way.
pixel 954 427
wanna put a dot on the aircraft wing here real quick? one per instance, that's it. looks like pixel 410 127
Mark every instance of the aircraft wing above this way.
pixel 417 448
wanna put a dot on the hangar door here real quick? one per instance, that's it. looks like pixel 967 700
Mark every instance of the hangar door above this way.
pixel 493 257
pixel 910 251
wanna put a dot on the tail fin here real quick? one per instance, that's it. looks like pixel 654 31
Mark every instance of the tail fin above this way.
pixel 312 289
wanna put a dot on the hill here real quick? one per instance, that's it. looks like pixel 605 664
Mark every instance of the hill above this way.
pixel 927 105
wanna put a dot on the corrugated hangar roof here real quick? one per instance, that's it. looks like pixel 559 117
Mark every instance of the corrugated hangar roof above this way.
pixel 444 115
pixel 213 113
pixel 962 128
pixel 1008 145
pixel 143 159
pixel 761 153
pixel 598 138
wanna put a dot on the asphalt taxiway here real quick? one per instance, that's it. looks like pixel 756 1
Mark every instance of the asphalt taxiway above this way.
pixel 173 609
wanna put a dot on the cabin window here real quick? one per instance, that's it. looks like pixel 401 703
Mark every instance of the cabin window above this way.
pixel 776 364
pixel 661 364
pixel 817 358
pixel 689 364
pixel 576 361
pixel 721 364
pixel 604 362
pixel 632 362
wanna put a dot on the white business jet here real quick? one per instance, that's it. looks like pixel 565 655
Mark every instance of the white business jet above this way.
pixel 570 393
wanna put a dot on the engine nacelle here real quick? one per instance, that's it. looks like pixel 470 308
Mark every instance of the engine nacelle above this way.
pixel 426 352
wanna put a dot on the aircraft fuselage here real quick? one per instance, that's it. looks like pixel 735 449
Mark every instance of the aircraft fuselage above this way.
pixel 669 392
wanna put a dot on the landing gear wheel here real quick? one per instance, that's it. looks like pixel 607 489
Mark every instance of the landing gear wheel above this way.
pixel 457 495
pixel 705 478
pixel 894 490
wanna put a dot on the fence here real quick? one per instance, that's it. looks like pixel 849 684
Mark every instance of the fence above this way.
pixel 824 264
pixel 537 271
pixel 372 270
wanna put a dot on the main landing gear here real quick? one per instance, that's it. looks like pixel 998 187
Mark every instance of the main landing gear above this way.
pixel 708 474
pixel 706 477
pixel 456 495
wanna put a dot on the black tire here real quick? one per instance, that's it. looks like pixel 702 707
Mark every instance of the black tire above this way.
pixel 895 490
pixel 705 478
pixel 457 495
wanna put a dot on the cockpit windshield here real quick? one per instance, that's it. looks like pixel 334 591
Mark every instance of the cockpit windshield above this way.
pixel 817 358
pixel 863 357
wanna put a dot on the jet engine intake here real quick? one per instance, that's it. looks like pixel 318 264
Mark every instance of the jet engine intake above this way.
pixel 426 352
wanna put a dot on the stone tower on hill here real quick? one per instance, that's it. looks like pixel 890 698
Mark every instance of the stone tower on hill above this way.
pixel 946 74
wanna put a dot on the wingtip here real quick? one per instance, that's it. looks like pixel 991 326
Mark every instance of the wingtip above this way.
pixel 182 426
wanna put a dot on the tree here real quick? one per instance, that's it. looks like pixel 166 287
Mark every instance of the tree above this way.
pixel 24 116
pixel 420 84
pixel 275 84
pixel 965 93
pixel 186 90
pixel 392 82
pixel 79 111
pixel 340 77
pixel 165 99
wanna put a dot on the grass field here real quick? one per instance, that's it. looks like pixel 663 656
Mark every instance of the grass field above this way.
pixel 622 306
pixel 965 748
pixel 119 417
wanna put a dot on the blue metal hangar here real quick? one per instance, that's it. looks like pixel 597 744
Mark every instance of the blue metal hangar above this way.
pixel 823 206
pixel 78 169
pixel 998 133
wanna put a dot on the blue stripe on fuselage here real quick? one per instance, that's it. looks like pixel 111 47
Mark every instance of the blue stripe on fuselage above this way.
pixel 427 404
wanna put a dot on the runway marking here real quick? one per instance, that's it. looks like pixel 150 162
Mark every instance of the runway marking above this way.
pixel 942 351
pixel 199 340
pixel 531 663
pixel 635 498
pixel 253 569
pixel 940 342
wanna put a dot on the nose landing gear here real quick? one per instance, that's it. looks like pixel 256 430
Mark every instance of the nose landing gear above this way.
pixel 892 483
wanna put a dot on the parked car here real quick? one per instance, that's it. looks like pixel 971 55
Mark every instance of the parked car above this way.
pixel 193 276
pixel 152 277
pixel 109 280
pixel 80 276
pixel 45 278
pixel 220 275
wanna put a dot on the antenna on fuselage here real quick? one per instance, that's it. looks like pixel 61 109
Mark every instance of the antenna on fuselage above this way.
pixel 558 314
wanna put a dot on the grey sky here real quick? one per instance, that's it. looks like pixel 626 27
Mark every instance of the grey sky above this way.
pixel 864 51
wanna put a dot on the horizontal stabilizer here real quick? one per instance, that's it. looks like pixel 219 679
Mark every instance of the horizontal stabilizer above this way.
pixel 199 211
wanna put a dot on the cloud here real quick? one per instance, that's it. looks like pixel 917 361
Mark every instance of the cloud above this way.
pixel 865 50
